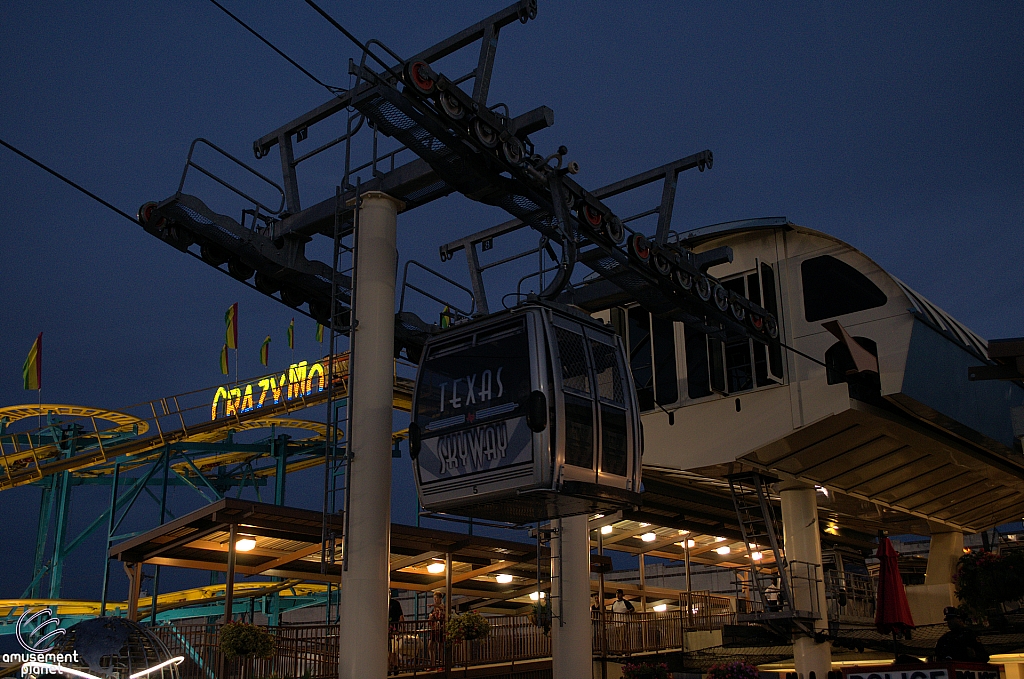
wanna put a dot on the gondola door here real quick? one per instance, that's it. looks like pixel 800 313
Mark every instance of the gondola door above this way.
pixel 573 376
pixel 616 411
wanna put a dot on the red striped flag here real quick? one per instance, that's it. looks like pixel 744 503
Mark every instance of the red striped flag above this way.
pixel 32 371
pixel 231 321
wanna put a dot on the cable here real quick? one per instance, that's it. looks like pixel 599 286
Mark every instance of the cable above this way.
pixel 330 88
pixel 64 179
pixel 351 37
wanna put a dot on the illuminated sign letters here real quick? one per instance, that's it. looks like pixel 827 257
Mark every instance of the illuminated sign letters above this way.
pixel 301 379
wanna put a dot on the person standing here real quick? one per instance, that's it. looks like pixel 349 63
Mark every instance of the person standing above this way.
pixel 395 616
pixel 959 643
pixel 437 620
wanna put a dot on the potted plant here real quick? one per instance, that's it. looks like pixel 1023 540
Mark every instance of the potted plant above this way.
pixel 540 615
pixel 644 670
pixel 985 580
pixel 733 670
pixel 242 640
pixel 467 627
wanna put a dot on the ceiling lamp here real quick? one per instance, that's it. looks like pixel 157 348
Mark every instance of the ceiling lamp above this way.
pixel 723 550
pixel 648 537
pixel 644 525
pixel 435 567
pixel 684 532
pixel 689 543
pixel 503 578
pixel 756 556
pixel 534 596
pixel 719 539
pixel 661 608
pixel 245 544
pixel 605 530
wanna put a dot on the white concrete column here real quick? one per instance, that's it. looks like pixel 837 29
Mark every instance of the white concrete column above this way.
pixel 803 544
pixel 571 654
pixel 364 594
pixel 946 547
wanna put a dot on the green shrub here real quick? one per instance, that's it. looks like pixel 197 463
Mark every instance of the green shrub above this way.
pixel 239 640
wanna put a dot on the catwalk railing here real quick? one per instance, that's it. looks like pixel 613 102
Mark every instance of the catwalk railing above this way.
pixel 420 646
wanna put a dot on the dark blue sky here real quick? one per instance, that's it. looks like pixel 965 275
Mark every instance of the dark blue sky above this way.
pixel 897 127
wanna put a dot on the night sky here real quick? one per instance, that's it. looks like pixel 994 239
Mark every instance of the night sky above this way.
pixel 897 127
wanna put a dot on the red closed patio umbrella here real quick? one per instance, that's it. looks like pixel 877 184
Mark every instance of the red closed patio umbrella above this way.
pixel 892 611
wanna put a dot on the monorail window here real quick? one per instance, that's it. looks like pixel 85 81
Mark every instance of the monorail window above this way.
pixel 465 383
pixel 652 358
pixel 737 363
pixel 834 288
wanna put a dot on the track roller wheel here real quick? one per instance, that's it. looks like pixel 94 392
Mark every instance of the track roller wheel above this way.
pixel 683 279
pixel 146 213
pixel 292 298
pixel 180 237
pixel 239 269
pixel 418 74
pixel 513 151
pixel 639 247
pixel 614 230
pixel 213 255
pixel 771 326
pixel 485 134
pixel 266 284
pixel 321 311
pixel 757 322
pixel 661 264
pixel 451 105
pixel 592 216
pixel 739 312
pixel 721 297
pixel 703 288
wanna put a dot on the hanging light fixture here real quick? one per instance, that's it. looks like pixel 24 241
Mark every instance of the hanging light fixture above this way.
pixel 534 596
pixel 756 556
pixel 503 578
pixel 605 530
pixel 435 567
pixel 648 537
pixel 246 543
pixel 723 550
pixel 661 608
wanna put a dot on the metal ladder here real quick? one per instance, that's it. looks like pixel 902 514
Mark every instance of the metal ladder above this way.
pixel 760 526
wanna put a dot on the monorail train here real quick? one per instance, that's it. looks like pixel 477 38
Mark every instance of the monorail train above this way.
pixel 524 415
pixel 915 436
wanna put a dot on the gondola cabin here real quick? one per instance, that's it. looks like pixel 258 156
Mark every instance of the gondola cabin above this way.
pixel 524 415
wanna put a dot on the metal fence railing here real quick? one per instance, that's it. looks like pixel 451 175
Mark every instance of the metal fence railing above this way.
pixel 419 646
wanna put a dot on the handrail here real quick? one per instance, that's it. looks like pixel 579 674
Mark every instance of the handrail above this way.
pixel 189 163
pixel 406 284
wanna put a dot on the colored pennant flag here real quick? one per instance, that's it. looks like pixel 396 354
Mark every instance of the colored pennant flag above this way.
pixel 446 317
pixel 291 335
pixel 224 360
pixel 231 321
pixel 265 351
pixel 319 333
pixel 32 371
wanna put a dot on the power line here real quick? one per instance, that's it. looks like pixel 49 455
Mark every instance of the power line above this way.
pixel 64 179
pixel 330 88
pixel 351 37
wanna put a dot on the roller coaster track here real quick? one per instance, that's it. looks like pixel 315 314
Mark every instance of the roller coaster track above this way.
pixel 28 457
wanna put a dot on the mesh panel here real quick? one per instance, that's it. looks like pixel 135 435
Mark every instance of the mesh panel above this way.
pixel 573 356
pixel 613 441
pixel 606 365
pixel 191 214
